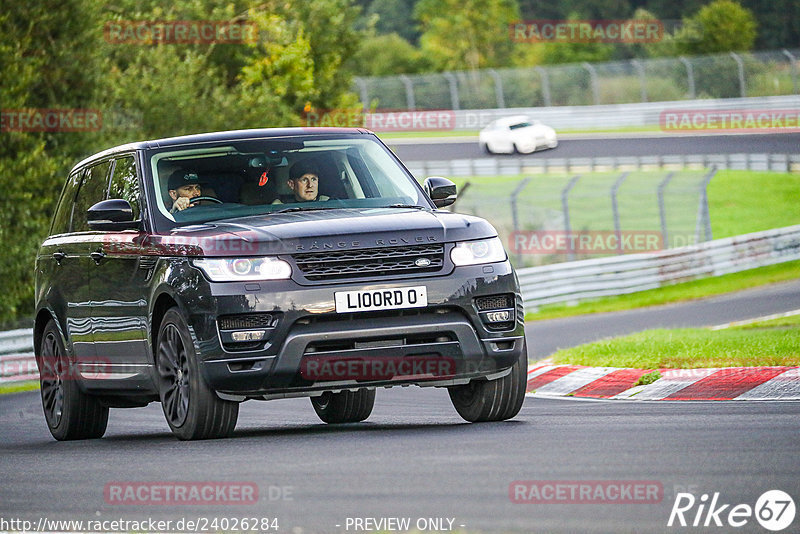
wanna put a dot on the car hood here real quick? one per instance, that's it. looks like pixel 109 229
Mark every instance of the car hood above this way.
pixel 315 231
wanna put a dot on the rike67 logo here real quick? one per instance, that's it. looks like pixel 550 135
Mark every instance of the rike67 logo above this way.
pixel 774 510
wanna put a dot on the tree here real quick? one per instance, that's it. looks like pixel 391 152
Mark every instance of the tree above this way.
pixel 466 34
pixel 383 55
pixel 726 27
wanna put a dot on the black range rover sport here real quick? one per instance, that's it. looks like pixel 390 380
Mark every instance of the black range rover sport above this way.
pixel 206 270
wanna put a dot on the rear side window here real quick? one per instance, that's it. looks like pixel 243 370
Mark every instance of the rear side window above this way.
pixel 92 190
pixel 63 215
pixel 125 183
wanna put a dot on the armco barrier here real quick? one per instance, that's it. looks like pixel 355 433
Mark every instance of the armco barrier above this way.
pixel 646 114
pixel 541 164
pixel 618 275
pixel 563 282
pixel 16 356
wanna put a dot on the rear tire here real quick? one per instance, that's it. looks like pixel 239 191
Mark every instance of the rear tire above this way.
pixel 192 409
pixel 70 413
pixel 493 400
pixel 345 406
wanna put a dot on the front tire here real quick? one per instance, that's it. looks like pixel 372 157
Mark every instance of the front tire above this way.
pixel 192 409
pixel 345 406
pixel 70 413
pixel 493 400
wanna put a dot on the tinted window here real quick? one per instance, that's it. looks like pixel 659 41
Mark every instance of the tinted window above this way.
pixel 63 214
pixel 125 184
pixel 520 125
pixel 91 192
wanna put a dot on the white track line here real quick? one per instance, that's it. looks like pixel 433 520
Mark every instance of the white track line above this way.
pixel 757 320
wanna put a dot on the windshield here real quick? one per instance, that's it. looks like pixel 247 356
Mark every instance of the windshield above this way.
pixel 519 125
pixel 263 176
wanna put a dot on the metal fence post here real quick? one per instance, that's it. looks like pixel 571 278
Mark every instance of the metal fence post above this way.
pixel 703 216
pixel 545 85
pixel 593 77
pixel 662 209
pixel 451 79
pixel 642 78
pixel 498 88
pixel 689 76
pixel 793 63
pixel 615 209
pixel 740 64
pixel 410 104
pixel 565 208
pixel 514 215
pixel 362 86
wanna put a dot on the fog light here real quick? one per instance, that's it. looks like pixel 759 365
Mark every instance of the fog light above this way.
pixel 248 335
pixel 498 317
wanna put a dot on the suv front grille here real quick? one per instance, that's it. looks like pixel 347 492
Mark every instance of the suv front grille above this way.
pixel 339 264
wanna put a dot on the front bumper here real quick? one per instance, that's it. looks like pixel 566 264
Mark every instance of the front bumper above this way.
pixel 312 349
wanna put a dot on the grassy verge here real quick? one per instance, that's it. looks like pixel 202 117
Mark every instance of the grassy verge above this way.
pixel 16 387
pixel 693 290
pixel 768 343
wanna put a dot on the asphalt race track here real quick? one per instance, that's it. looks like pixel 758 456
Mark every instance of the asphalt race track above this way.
pixel 545 337
pixel 415 458
pixel 584 147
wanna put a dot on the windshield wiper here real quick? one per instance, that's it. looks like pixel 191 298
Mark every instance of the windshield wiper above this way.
pixel 405 206
pixel 302 208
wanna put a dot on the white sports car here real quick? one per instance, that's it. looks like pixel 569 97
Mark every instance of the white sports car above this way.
pixel 517 134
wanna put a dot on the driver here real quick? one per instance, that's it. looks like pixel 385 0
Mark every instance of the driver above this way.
pixel 182 187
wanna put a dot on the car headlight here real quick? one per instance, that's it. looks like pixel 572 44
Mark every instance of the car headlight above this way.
pixel 475 252
pixel 244 269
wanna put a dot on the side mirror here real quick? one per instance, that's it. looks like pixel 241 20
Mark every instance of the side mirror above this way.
pixel 441 190
pixel 111 214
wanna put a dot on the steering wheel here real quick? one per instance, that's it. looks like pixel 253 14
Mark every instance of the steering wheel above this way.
pixel 199 199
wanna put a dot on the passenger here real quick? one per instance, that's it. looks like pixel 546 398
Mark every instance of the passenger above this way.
pixel 304 183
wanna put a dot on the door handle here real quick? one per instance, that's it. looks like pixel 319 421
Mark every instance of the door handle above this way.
pixel 97 256
pixel 59 256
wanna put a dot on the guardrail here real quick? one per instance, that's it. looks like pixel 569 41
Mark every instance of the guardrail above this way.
pixel 501 166
pixel 562 282
pixel 17 361
pixel 574 281
pixel 602 116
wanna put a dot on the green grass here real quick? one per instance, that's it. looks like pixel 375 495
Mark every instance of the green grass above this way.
pixel 691 348
pixel 693 290
pixel 741 202
pixel 781 322
pixel 16 387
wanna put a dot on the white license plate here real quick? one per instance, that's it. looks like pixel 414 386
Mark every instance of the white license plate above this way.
pixel 381 299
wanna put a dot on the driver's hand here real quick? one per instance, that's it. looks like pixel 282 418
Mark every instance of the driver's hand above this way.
pixel 181 204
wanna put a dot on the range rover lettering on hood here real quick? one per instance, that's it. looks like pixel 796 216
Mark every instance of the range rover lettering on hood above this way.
pixel 391 242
